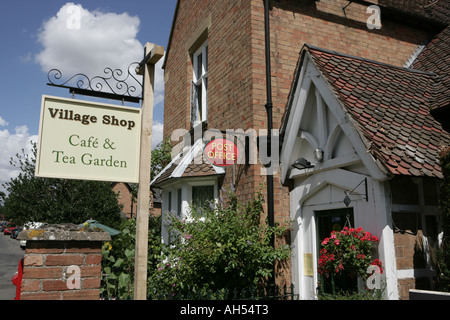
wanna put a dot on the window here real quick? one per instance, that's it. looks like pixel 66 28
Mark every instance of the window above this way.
pixel 333 220
pixel 176 204
pixel 179 203
pixel 169 202
pixel 169 208
pixel 201 195
pixel 199 85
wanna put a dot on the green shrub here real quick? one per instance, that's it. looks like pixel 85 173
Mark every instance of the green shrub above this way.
pixel 119 255
pixel 218 247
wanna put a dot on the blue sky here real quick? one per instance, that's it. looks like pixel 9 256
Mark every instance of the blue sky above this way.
pixel 39 35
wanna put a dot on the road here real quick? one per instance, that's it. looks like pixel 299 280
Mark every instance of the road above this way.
pixel 10 254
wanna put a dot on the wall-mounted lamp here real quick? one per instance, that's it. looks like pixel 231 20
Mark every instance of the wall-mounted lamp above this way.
pixel 302 163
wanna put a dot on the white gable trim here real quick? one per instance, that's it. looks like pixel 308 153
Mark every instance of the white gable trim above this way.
pixel 325 98
pixel 187 159
pixel 183 159
pixel 335 163
pixel 174 161
pixel 340 178
pixel 294 119
pixel 348 127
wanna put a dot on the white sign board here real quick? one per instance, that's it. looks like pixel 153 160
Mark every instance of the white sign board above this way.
pixel 88 141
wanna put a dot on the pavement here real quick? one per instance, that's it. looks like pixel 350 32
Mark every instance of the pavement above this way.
pixel 10 255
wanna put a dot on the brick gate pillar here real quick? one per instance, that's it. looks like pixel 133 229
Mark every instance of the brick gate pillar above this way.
pixel 62 262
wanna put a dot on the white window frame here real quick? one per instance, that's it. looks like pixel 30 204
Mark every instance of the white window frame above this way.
pixel 199 102
pixel 171 194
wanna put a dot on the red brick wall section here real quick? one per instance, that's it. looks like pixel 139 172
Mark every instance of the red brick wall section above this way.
pixel 124 198
pixel 45 273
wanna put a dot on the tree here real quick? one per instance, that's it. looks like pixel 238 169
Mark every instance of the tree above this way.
pixel 161 157
pixel 30 198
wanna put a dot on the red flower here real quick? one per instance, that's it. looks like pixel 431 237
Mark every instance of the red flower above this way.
pixel 351 248
pixel 377 262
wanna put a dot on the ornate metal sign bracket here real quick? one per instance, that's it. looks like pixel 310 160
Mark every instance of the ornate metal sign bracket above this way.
pixel 113 85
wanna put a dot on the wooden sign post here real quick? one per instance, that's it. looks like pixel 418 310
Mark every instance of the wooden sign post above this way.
pixel 153 54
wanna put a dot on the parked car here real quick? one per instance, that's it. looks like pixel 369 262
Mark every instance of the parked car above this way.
pixel 15 232
pixel 12 230
pixel 9 228
pixel 3 225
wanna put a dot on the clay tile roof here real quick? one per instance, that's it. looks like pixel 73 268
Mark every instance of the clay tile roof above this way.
pixel 165 174
pixel 199 167
pixel 192 164
pixel 390 107
pixel 417 7
pixel 436 58
pixel 436 55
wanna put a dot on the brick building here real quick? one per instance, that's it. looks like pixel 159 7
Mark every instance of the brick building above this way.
pixel 125 198
pixel 215 80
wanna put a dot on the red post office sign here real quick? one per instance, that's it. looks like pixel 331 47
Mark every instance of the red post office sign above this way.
pixel 221 152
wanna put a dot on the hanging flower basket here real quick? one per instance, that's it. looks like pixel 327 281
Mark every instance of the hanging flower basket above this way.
pixel 349 251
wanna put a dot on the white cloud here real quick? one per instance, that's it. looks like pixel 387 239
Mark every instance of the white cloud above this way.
pixel 99 40
pixel 159 82
pixel 157 133
pixel 77 40
pixel 10 145
pixel 3 123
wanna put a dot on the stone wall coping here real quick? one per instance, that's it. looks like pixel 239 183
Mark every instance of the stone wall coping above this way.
pixel 64 232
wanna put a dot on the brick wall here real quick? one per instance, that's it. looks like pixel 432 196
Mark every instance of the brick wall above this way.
pixel 409 253
pixel 46 273
pixel 415 232
pixel 124 197
pixel 62 265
